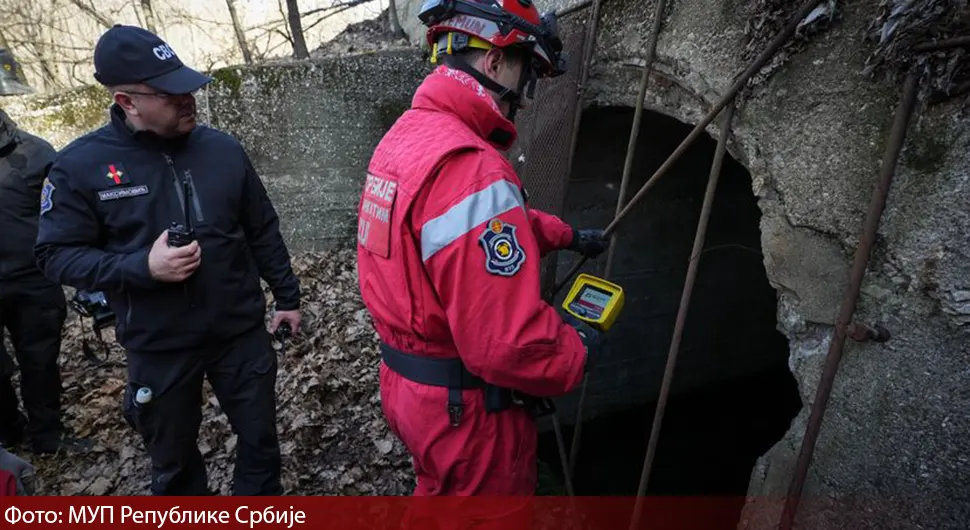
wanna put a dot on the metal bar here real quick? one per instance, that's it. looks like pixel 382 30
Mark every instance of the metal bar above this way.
pixel 560 442
pixel 592 24
pixel 688 291
pixel 565 461
pixel 946 44
pixel 752 69
pixel 635 128
pixel 577 428
pixel 876 206
pixel 624 183
pixel 588 47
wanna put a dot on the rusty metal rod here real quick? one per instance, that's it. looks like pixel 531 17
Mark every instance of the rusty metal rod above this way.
pixel 577 428
pixel 685 297
pixel 861 261
pixel 628 165
pixel 550 281
pixel 561 445
pixel 588 47
pixel 743 78
pixel 631 146
pixel 945 44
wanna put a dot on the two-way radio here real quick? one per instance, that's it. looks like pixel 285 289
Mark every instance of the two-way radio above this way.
pixel 180 235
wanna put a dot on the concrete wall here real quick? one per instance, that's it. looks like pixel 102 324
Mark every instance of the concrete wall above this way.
pixel 60 118
pixel 310 128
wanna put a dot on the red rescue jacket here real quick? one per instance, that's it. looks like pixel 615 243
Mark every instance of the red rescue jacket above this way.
pixel 448 251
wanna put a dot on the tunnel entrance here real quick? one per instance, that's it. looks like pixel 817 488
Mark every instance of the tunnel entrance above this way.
pixel 733 396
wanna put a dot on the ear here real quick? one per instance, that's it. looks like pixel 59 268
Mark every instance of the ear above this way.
pixel 493 62
pixel 124 101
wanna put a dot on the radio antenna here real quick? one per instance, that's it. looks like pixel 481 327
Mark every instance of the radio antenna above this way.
pixel 187 188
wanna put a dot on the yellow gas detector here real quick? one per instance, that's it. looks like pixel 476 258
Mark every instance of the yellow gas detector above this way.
pixel 594 301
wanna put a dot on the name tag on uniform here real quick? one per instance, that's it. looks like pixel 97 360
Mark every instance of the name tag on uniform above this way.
pixel 122 193
pixel 374 217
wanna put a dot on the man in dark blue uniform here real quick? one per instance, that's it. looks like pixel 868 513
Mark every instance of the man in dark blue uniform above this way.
pixel 32 308
pixel 188 302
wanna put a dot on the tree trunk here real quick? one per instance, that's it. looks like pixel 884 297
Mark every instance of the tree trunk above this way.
pixel 240 34
pixel 296 28
pixel 146 7
pixel 394 24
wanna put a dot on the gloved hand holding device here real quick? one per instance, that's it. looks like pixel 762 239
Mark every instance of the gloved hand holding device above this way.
pixel 590 242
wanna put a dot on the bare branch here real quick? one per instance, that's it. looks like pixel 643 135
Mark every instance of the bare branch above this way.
pixel 93 13
pixel 343 8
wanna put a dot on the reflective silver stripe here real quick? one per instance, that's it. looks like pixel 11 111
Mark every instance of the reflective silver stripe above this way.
pixel 477 208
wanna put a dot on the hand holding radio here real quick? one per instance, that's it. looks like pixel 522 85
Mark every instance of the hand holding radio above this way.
pixel 176 254
pixel 180 235
pixel 291 319
pixel 167 263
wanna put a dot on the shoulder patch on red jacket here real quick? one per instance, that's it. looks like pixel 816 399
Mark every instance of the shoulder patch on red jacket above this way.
pixel 503 253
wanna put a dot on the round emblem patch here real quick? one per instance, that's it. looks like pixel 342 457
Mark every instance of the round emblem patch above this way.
pixel 503 253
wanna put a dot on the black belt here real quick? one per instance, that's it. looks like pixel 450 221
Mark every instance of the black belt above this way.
pixel 449 373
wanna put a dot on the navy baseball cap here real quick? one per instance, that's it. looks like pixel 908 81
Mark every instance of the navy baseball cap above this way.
pixel 129 55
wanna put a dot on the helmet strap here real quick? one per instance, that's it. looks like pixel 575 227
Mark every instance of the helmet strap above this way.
pixel 506 94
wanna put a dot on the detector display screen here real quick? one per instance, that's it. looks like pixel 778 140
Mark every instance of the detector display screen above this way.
pixel 591 302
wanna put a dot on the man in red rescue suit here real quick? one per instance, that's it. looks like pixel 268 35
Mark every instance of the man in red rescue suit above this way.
pixel 449 255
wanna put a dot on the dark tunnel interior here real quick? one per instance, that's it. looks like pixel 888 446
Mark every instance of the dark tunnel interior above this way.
pixel 733 396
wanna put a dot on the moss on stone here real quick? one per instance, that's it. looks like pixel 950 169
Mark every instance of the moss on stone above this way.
pixel 271 79
pixel 229 78
pixel 83 108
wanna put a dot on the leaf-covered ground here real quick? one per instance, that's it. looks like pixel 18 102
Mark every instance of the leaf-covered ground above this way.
pixel 334 439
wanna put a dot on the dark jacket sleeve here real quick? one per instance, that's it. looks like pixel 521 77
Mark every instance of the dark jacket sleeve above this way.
pixel 39 161
pixel 67 238
pixel 262 226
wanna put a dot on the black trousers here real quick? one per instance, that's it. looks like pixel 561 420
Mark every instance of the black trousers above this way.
pixel 34 316
pixel 242 374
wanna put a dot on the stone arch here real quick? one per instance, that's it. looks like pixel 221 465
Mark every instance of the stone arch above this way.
pixel 672 108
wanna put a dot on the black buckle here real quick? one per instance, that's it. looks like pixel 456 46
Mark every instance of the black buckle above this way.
pixel 454 413
pixel 455 406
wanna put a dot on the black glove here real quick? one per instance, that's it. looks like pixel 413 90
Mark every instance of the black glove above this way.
pixel 592 339
pixel 590 242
